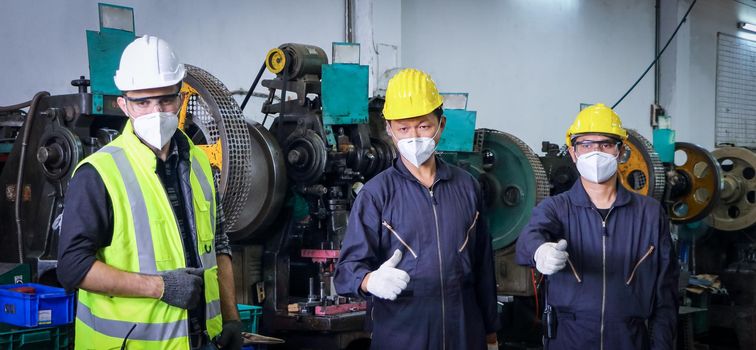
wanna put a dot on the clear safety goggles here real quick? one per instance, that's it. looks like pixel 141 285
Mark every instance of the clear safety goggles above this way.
pixel 606 146
pixel 169 102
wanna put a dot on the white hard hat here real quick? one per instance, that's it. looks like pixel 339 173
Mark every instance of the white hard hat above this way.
pixel 147 63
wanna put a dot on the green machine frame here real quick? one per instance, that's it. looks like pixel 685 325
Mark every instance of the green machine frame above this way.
pixel 105 48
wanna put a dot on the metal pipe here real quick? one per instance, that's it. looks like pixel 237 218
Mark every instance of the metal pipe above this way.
pixel 349 21
pixel 21 163
pixel 15 107
pixel 657 69
pixel 656 59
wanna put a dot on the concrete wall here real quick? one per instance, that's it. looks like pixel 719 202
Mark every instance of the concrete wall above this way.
pixel 44 44
pixel 528 64
pixel 689 82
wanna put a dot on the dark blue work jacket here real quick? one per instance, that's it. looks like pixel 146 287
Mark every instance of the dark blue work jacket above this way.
pixel 450 302
pixel 619 288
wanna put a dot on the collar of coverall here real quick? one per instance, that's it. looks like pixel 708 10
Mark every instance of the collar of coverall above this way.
pixel 442 169
pixel 580 197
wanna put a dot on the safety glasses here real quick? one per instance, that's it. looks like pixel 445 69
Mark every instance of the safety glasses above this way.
pixel 606 146
pixel 169 102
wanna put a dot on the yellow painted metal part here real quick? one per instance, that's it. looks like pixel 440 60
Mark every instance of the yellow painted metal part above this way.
pixel 214 154
pixel 635 162
pixel 187 91
pixel 703 180
pixel 215 151
pixel 275 60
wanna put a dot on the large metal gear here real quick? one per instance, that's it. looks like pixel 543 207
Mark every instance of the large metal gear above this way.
pixel 736 209
pixel 641 171
pixel 513 183
pixel 214 119
pixel 694 189
pixel 268 184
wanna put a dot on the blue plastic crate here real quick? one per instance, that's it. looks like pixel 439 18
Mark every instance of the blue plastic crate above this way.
pixel 47 306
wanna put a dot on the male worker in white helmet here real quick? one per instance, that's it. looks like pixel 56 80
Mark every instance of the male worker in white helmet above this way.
pixel 142 234
pixel 610 266
pixel 415 245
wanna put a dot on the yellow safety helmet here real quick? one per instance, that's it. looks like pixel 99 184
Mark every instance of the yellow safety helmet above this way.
pixel 410 93
pixel 596 119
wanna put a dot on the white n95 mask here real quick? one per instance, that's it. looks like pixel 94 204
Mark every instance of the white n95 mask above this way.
pixel 417 150
pixel 597 166
pixel 157 128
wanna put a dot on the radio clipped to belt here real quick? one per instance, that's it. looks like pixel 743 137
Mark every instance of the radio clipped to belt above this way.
pixel 549 319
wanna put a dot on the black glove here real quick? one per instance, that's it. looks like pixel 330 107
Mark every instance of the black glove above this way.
pixel 230 337
pixel 182 287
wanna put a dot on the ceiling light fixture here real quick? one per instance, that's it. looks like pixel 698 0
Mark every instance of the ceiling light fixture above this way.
pixel 747 26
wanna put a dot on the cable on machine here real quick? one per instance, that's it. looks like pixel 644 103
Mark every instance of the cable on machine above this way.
pixel 685 18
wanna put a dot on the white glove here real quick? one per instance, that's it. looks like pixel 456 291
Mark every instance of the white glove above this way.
pixel 493 346
pixel 551 257
pixel 388 281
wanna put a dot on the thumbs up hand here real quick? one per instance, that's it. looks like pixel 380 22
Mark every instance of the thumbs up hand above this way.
pixel 551 257
pixel 388 282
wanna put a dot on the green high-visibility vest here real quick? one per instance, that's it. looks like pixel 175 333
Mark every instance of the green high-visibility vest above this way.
pixel 146 240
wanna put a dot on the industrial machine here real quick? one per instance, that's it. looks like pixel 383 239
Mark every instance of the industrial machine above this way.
pixel 56 132
pixel 724 245
pixel 328 152
pixel 287 189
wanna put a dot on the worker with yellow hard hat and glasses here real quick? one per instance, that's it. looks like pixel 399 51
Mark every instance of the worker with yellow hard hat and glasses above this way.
pixel 611 269
pixel 416 246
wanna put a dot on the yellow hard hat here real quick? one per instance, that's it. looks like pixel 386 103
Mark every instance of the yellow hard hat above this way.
pixel 410 93
pixel 596 119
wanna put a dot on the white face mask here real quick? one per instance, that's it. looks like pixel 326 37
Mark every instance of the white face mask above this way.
pixel 417 150
pixel 157 128
pixel 597 166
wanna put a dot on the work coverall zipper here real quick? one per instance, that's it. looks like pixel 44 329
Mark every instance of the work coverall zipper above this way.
pixel 396 234
pixel 603 268
pixel 440 267
pixel 642 259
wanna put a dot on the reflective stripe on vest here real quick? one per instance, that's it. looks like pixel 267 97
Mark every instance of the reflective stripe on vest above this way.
pixel 207 257
pixel 146 240
pixel 142 331
pixel 142 229
pixel 213 308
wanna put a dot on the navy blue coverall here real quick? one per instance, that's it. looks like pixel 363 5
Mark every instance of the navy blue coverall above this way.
pixel 450 302
pixel 619 288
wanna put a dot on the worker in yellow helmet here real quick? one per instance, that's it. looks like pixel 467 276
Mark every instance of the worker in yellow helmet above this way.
pixel 142 235
pixel 415 246
pixel 607 252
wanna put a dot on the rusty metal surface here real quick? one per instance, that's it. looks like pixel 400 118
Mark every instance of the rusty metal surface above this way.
pixel 217 117
pixel 642 172
pixel 698 191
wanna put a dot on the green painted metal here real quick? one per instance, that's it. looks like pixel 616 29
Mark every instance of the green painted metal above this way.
pixel 459 133
pixel 14 273
pixel 6 147
pixel 344 95
pixel 664 144
pixel 104 52
pixel 508 181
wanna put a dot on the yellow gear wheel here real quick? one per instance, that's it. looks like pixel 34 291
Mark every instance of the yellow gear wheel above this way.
pixel 275 60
